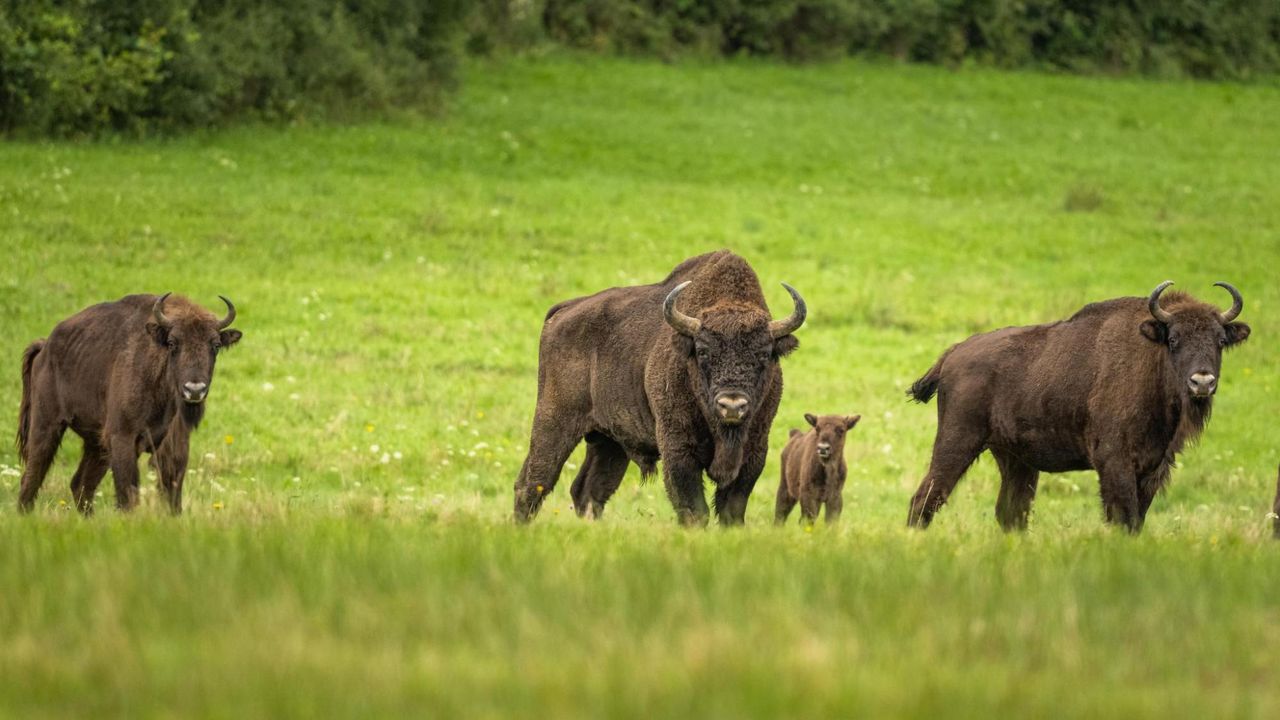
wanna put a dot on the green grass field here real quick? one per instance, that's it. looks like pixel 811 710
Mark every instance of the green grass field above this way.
pixel 347 548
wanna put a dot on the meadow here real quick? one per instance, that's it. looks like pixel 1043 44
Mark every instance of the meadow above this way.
pixel 347 547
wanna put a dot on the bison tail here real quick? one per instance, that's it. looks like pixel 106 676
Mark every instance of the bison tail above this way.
pixel 24 411
pixel 923 390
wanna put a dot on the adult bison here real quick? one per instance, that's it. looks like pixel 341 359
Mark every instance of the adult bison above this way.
pixel 128 377
pixel 686 370
pixel 1118 388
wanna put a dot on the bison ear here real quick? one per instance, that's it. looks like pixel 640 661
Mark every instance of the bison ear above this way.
pixel 229 337
pixel 1237 332
pixel 683 345
pixel 783 346
pixel 811 419
pixel 159 334
pixel 850 421
pixel 1154 331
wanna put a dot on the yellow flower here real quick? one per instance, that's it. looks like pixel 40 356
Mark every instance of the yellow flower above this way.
pixel 62 503
pixel 539 489
pixel 217 505
pixel 808 528
pixel 368 428
pixel 479 414
pixel 228 439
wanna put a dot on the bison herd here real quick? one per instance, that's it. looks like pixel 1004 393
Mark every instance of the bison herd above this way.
pixel 687 370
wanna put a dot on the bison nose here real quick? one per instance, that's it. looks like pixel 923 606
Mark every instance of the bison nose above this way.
pixel 1203 384
pixel 732 407
pixel 194 392
pixel 824 449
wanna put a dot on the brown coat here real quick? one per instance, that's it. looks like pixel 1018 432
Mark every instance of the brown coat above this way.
pixel 814 470
pixel 1120 388
pixel 128 377
pixel 685 369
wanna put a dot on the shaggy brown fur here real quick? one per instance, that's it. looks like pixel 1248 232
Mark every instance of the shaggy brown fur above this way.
pixel 1107 390
pixel 612 370
pixel 813 469
pixel 126 384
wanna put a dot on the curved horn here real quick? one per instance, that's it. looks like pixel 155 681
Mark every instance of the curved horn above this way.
pixel 231 314
pixel 1154 303
pixel 1237 302
pixel 788 325
pixel 157 311
pixel 683 324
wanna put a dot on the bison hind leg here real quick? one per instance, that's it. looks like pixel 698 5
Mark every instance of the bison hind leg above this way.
pixel 552 441
pixel 600 475
pixel 44 435
pixel 955 448
pixel 784 503
pixel 1018 482
pixel 93 467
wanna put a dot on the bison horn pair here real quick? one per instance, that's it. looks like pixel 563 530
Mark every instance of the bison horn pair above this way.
pixel 690 326
pixel 157 311
pixel 1165 317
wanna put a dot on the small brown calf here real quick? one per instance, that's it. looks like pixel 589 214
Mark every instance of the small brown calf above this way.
pixel 813 469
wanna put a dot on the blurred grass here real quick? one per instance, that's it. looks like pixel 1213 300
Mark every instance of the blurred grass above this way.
pixel 346 549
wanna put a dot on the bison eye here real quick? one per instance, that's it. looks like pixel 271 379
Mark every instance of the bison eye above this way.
pixel 1222 342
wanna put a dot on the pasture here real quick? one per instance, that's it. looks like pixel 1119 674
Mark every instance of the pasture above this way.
pixel 347 548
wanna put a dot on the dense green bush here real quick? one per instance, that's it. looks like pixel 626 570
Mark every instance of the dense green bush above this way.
pixel 72 67
pixel 1200 38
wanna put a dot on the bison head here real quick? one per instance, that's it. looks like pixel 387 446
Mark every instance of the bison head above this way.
pixel 735 347
pixel 1195 335
pixel 831 430
pixel 192 340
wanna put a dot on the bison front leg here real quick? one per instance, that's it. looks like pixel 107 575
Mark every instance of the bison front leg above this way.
pixel 124 471
pixel 1148 487
pixel 172 469
pixel 1119 490
pixel 731 500
pixel 682 476
pixel 835 504
pixel 810 504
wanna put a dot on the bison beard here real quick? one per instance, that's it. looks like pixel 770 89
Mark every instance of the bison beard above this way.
pixel 1120 388
pixel 727 460
pixel 685 369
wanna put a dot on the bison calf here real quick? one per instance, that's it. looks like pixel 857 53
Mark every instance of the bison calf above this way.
pixel 813 469
pixel 128 377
